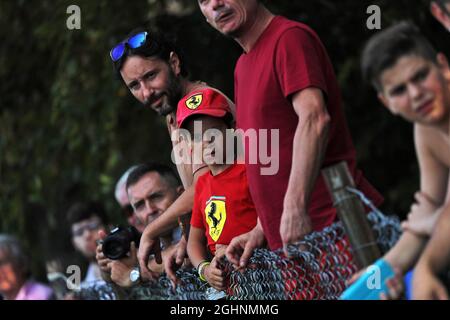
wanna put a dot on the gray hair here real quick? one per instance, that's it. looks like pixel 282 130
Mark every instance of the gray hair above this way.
pixel 15 254
pixel 121 184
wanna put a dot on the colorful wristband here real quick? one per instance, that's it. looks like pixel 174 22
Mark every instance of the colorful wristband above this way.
pixel 200 269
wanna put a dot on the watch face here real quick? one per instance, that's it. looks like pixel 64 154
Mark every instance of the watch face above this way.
pixel 134 275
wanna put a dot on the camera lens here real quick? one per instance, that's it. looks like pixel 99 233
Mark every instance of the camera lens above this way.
pixel 114 249
pixel 117 244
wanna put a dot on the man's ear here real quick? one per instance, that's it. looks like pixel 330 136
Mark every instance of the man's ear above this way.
pixel 175 64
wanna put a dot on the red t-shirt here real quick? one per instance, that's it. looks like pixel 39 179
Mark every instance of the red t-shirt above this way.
pixel 287 58
pixel 223 206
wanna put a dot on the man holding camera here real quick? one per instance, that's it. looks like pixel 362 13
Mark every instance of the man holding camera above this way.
pixel 151 189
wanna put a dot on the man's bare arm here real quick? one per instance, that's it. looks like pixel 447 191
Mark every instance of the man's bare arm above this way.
pixel 149 241
pixel 169 219
pixel 436 259
pixel 433 183
pixel 309 147
pixel 437 253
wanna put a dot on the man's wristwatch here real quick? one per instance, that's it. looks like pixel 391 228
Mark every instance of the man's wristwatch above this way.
pixel 135 275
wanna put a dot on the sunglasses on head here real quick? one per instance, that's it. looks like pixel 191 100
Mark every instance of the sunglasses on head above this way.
pixel 133 42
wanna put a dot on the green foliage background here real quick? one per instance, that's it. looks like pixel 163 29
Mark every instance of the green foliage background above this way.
pixel 69 128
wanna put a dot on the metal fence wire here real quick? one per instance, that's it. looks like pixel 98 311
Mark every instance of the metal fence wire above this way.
pixel 318 268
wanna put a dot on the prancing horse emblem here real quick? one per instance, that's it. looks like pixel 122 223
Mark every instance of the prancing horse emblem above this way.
pixel 216 216
pixel 195 101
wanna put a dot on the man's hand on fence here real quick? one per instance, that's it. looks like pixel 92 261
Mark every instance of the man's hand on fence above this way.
pixel 147 247
pixel 295 225
pixel 174 260
pixel 241 248
pixel 215 275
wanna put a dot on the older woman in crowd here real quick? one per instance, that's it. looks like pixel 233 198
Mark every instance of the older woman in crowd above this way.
pixel 15 276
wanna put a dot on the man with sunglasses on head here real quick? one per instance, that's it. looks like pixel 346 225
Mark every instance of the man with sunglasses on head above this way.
pixel 86 220
pixel 155 73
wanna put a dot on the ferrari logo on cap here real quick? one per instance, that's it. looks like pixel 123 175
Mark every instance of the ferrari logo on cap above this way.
pixel 216 215
pixel 195 101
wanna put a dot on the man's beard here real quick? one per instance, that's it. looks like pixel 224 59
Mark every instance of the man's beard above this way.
pixel 173 95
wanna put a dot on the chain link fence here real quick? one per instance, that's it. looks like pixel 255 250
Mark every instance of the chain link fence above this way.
pixel 318 268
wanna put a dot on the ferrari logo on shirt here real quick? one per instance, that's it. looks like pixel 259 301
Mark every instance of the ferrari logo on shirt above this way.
pixel 216 215
pixel 195 101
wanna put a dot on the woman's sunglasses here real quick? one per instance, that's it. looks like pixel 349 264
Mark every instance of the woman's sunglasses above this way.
pixel 133 42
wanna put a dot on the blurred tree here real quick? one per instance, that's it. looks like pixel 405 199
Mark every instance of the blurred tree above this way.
pixel 69 128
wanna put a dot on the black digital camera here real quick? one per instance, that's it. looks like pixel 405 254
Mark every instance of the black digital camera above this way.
pixel 117 244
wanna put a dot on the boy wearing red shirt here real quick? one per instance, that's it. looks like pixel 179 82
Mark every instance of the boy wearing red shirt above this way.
pixel 223 207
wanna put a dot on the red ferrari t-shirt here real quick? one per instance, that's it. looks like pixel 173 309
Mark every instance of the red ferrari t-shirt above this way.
pixel 287 58
pixel 223 206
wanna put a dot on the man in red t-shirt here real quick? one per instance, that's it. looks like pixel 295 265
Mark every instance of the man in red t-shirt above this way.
pixel 284 81
pixel 223 207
